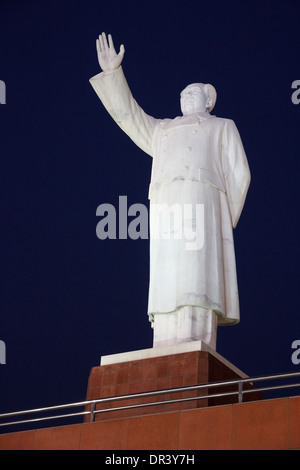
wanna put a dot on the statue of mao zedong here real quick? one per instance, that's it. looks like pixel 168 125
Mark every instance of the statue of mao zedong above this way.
pixel 200 169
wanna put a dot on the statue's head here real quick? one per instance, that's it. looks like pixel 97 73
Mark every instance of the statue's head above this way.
pixel 197 98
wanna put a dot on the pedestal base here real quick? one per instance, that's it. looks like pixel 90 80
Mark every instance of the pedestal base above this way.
pixel 158 369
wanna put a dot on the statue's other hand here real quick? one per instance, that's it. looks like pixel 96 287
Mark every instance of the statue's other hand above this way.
pixel 109 60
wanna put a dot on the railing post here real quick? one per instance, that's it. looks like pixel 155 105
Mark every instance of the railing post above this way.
pixel 240 391
pixel 92 412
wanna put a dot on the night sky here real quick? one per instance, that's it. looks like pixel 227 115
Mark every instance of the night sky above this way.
pixel 67 297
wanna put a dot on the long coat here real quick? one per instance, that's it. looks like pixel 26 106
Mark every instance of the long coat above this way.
pixel 198 162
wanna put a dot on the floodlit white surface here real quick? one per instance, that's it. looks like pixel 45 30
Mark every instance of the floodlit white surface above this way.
pixel 198 161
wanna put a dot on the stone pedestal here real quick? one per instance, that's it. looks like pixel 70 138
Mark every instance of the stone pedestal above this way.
pixel 158 369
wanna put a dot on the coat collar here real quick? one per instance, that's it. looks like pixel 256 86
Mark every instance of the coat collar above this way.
pixel 196 118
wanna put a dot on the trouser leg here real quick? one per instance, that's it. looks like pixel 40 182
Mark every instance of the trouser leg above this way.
pixel 186 324
pixel 196 323
pixel 164 329
pixel 204 326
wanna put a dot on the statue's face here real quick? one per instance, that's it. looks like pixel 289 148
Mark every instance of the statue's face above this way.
pixel 193 99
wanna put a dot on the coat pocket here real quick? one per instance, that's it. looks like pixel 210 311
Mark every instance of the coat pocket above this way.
pixel 207 176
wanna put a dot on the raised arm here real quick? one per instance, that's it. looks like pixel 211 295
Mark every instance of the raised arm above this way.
pixel 112 89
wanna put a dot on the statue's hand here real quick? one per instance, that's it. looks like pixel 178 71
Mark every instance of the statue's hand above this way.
pixel 109 60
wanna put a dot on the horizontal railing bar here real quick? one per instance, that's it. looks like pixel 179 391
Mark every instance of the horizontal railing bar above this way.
pixel 165 402
pixel 48 408
pixel 44 418
pixel 139 405
pixel 271 377
pixel 124 397
pixel 188 388
pixel 153 393
pixel 217 395
pixel 116 398
pixel 274 387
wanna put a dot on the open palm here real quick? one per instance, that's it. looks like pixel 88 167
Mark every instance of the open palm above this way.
pixel 109 60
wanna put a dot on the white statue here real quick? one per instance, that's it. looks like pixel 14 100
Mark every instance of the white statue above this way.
pixel 198 161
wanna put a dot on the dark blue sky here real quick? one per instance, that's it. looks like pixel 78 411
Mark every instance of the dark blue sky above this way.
pixel 67 298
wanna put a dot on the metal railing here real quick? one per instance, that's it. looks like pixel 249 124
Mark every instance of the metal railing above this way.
pixel 239 393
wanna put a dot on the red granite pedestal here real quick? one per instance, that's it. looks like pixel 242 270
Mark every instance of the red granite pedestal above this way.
pixel 159 373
